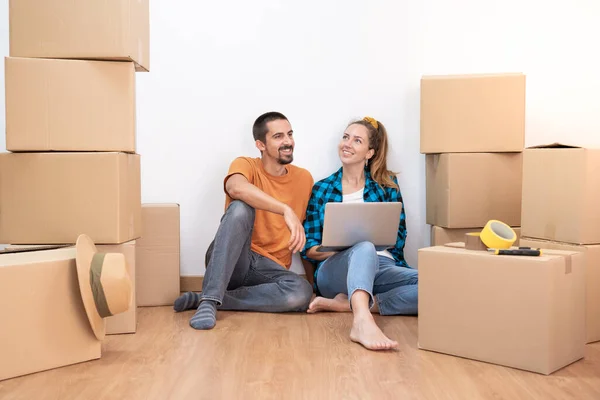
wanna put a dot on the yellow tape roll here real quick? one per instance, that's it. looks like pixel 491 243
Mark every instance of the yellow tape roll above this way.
pixel 497 235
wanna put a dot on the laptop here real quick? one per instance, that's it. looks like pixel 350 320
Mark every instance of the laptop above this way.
pixel 347 224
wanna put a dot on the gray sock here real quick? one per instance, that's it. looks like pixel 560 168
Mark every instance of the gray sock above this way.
pixel 206 315
pixel 187 301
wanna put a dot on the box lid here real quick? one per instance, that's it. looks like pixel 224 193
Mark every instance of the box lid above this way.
pixel 19 257
pixel 459 248
pixel 473 75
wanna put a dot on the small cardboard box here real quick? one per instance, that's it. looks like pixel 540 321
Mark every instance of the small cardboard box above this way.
pixel 44 323
pixel 69 105
pixel 561 194
pixel 473 113
pixel 441 236
pixel 158 253
pixel 466 190
pixel 521 312
pixel 52 198
pixel 592 280
pixel 103 30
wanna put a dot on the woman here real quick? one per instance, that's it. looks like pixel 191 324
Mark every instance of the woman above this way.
pixel 361 279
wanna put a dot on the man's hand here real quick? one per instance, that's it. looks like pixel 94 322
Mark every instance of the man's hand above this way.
pixel 297 236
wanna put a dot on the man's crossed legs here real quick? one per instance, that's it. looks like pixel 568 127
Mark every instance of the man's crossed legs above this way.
pixel 239 279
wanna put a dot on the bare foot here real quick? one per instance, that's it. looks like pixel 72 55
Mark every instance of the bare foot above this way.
pixel 366 332
pixel 338 304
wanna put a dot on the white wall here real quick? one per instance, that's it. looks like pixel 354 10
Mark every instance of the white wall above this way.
pixel 215 67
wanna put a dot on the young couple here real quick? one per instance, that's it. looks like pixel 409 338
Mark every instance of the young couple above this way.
pixel 274 209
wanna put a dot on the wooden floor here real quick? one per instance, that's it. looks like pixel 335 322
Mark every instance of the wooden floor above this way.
pixel 291 356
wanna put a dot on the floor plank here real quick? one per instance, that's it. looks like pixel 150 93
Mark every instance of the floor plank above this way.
pixel 297 356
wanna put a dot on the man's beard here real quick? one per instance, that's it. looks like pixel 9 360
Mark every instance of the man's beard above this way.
pixel 288 158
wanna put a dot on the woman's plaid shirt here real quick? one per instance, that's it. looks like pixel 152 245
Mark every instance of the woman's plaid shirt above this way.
pixel 330 190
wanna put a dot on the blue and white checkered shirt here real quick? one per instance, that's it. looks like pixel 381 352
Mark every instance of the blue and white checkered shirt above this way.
pixel 329 190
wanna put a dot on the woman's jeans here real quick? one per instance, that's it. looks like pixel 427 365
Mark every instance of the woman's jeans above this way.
pixel 360 267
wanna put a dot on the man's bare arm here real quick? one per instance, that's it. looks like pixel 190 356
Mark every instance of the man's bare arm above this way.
pixel 239 188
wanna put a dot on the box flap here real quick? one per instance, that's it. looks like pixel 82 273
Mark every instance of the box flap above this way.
pixel 554 145
pixel 456 245
pixel 23 249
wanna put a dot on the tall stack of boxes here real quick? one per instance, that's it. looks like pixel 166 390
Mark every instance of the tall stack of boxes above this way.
pixel 561 210
pixel 522 312
pixel 473 134
pixel 71 165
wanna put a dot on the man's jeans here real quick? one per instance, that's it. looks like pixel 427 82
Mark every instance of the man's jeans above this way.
pixel 394 288
pixel 240 279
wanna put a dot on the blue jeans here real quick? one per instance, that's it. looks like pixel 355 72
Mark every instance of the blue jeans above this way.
pixel 237 278
pixel 360 267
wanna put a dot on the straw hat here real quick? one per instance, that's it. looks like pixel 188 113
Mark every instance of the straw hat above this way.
pixel 104 283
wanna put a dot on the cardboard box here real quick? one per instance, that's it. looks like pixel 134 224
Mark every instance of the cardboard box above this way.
pixel 103 30
pixel 466 190
pixel 158 253
pixel 69 105
pixel 592 280
pixel 441 236
pixel 44 323
pixel 473 113
pixel 52 198
pixel 561 194
pixel 520 312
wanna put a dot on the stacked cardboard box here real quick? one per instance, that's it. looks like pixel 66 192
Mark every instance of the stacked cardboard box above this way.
pixel 561 198
pixel 472 132
pixel 521 312
pixel 158 273
pixel 71 165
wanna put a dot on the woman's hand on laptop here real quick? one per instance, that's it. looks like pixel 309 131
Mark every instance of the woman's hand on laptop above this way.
pixel 297 236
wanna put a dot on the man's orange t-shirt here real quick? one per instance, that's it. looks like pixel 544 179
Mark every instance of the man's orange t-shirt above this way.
pixel 271 235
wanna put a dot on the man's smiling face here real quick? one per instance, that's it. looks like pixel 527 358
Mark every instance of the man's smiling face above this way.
pixel 280 141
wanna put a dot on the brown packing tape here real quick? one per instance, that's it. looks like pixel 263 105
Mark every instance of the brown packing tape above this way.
pixel 473 242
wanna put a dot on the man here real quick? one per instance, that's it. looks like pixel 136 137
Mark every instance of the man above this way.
pixel 249 259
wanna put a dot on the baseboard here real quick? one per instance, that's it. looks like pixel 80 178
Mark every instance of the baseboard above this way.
pixel 193 283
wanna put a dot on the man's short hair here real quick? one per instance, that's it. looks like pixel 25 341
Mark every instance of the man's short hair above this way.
pixel 259 130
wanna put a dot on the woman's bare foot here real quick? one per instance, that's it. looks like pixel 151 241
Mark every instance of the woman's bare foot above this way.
pixel 338 304
pixel 366 332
